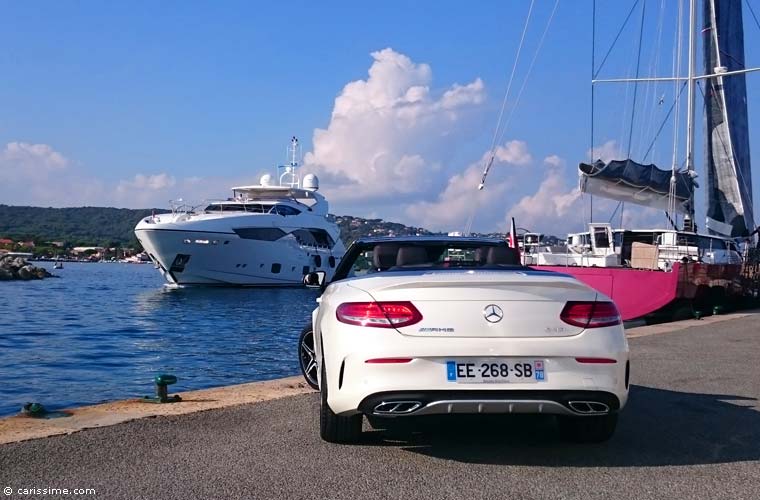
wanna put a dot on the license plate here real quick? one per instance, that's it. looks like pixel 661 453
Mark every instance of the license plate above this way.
pixel 495 371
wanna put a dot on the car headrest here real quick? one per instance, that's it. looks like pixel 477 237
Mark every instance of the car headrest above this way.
pixel 503 255
pixel 384 256
pixel 481 254
pixel 411 256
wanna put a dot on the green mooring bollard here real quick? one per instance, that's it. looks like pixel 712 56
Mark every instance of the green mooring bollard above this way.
pixel 34 410
pixel 162 392
pixel 718 310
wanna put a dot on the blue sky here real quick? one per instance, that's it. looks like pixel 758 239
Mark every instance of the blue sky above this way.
pixel 132 104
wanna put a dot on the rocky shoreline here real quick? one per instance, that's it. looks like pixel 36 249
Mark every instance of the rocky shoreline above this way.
pixel 17 268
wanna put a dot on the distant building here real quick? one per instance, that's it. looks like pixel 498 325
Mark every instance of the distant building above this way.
pixel 78 250
pixel 26 244
pixel 6 241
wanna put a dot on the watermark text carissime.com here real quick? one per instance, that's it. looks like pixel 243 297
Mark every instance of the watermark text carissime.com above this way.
pixel 48 490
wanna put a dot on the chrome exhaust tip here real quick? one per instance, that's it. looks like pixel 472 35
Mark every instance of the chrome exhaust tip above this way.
pixel 589 407
pixel 396 407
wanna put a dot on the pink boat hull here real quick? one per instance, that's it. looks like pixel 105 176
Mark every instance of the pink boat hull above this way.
pixel 639 292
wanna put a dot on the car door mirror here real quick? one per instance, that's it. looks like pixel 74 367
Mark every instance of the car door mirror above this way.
pixel 315 279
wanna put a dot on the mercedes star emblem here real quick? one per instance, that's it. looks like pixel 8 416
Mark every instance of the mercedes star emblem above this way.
pixel 493 313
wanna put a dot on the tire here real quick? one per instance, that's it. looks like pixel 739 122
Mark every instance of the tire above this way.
pixel 336 428
pixel 592 429
pixel 307 358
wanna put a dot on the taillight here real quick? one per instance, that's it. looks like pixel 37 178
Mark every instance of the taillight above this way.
pixel 378 314
pixel 590 314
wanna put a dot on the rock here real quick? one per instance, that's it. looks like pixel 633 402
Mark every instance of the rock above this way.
pixel 25 273
pixel 15 268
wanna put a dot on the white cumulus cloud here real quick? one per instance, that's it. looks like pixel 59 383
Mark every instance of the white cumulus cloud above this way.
pixel 150 182
pixel 461 199
pixel 554 161
pixel 33 157
pixel 388 131
pixel 553 208
pixel 37 174
pixel 513 152
pixel 608 151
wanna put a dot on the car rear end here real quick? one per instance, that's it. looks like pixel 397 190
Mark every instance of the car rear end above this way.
pixel 472 341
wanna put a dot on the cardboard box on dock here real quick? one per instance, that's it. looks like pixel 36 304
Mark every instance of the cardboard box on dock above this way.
pixel 644 256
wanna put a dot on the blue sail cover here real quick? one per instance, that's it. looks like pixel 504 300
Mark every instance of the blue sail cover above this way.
pixel 631 182
pixel 729 174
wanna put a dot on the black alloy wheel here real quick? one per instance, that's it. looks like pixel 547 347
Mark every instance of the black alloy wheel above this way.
pixel 307 357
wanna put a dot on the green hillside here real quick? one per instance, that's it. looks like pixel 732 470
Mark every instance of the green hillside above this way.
pixel 75 226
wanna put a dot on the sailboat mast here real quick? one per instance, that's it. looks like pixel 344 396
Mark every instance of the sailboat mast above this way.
pixel 691 106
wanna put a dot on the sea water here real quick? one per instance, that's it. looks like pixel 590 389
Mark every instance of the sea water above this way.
pixel 102 331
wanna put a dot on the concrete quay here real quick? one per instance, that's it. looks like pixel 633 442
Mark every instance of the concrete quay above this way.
pixel 691 430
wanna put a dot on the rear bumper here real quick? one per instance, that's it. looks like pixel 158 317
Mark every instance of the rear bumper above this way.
pixel 352 381
pixel 552 402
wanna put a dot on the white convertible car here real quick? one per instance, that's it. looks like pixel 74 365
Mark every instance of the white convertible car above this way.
pixel 447 325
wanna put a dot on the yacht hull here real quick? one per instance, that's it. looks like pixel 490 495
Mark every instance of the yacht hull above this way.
pixel 640 292
pixel 206 258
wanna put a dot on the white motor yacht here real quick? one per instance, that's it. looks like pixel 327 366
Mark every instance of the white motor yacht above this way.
pixel 264 235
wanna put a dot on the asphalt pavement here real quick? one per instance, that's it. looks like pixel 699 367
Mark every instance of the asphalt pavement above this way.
pixel 691 430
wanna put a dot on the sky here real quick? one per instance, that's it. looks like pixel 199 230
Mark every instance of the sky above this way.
pixel 396 104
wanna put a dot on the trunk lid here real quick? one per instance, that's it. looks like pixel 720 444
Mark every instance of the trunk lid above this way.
pixel 524 303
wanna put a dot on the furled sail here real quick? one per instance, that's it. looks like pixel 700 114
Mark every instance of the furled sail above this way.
pixel 729 176
pixel 631 182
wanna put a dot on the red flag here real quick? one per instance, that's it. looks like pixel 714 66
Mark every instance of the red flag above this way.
pixel 513 236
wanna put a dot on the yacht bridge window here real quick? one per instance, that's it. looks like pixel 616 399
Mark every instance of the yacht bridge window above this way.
pixel 284 210
pixel 260 233
pixel 255 208
pixel 313 237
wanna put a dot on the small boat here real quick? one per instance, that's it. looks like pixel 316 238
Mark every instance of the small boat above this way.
pixel 58 265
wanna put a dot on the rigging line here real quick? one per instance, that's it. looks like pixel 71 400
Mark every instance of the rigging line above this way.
pixel 677 71
pixel 530 69
pixel 591 146
pixel 506 97
pixel 623 118
pixel 614 212
pixel 604 60
pixel 671 221
pixel 653 101
pixel 492 154
pixel 664 122
pixel 753 13
pixel 636 84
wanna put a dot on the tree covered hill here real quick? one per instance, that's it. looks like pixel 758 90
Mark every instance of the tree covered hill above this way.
pixel 75 226
pixel 99 226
